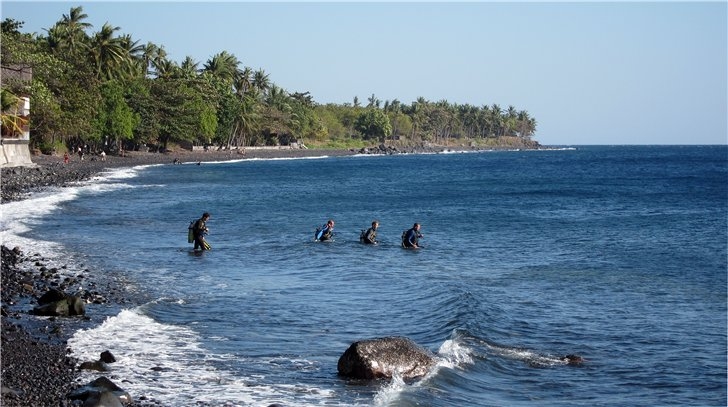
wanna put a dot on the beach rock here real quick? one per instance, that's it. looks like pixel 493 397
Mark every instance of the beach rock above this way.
pixel 384 357
pixel 107 357
pixel 52 295
pixel 57 303
pixel 101 392
pixel 98 366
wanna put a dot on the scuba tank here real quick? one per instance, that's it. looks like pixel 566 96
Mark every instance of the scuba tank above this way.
pixel 191 232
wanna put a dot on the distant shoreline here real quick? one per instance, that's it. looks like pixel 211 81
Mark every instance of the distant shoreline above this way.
pixel 50 170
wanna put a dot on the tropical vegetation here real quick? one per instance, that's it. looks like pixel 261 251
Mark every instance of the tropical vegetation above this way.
pixel 110 91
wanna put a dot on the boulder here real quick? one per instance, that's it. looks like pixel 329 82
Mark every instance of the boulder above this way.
pixel 98 366
pixel 52 295
pixel 384 357
pixel 57 303
pixel 107 357
pixel 101 392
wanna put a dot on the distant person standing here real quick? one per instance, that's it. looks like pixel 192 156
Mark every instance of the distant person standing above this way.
pixel 326 232
pixel 411 238
pixel 103 155
pixel 199 230
pixel 80 153
pixel 66 158
pixel 370 236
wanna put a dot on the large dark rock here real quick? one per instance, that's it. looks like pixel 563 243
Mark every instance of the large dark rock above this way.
pixel 101 392
pixel 384 357
pixel 57 303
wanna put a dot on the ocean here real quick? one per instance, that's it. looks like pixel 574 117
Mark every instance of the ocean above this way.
pixel 614 253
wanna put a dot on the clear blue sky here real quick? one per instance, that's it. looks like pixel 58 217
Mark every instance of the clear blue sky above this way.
pixel 590 73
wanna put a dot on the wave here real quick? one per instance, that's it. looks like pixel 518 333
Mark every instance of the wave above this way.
pixel 18 217
pixel 168 364
pixel 452 354
pixel 256 159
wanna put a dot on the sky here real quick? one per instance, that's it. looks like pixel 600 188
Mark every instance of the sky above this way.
pixel 605 73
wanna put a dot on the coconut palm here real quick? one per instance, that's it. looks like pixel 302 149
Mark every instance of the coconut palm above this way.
pixel 261 81
pixel 107 52
pixel 151 55
pixel 133 56
pixel 188 67
pixel 165 68
pixel 223 66
pixel 243 82
pixel 73 29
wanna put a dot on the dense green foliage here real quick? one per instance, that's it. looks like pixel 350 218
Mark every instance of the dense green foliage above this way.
pixel 109 91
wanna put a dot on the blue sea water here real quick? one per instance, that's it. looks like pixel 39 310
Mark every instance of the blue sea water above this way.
pixel 617 254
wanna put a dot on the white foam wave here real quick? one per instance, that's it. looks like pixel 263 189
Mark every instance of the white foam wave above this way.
pixel 168 364
pixel 390 392
pixel 225 162
pixel 528 356
pixel 452 355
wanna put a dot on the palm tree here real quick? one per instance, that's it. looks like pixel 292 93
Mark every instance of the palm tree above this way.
pixel 151 55
pixel 243 82
pixel 496 120
pixel 223 66
pixel 165 68
pixel 107 52
pixel 188 67
pixel 261 81
pixel 373 101
pixel 131 64
pixel 75 28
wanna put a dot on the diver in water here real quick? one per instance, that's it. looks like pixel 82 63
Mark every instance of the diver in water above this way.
pixel 199 230
pixel 325 232
pixel 411 238
pixel 370 236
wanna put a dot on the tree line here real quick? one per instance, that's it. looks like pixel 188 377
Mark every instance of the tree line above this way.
pixel 110 91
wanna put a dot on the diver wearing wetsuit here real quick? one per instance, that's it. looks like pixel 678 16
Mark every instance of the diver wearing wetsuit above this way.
pixel 326 232
pixel 411 238
pixel 199 230
pixel 370 236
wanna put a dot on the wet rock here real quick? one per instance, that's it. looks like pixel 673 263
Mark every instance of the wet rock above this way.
pixel 101 392
pixel 98 366
pixel 385 357
pixel 107 357
pixel 58 303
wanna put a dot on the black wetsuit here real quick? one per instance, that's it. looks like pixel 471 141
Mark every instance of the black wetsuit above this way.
pixel 198 230
pixel 370 236
pixel 411 238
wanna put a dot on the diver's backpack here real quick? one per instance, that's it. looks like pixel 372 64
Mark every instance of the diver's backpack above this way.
pixel 404 238
pixel 191 232
pixel 362 236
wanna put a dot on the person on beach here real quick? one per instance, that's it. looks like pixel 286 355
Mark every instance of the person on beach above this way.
pixel 199 230
pixel 66 158
pixel 370 236
pixel 80 153
pixel 325 232
pixel 103 155
pixel 411 238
